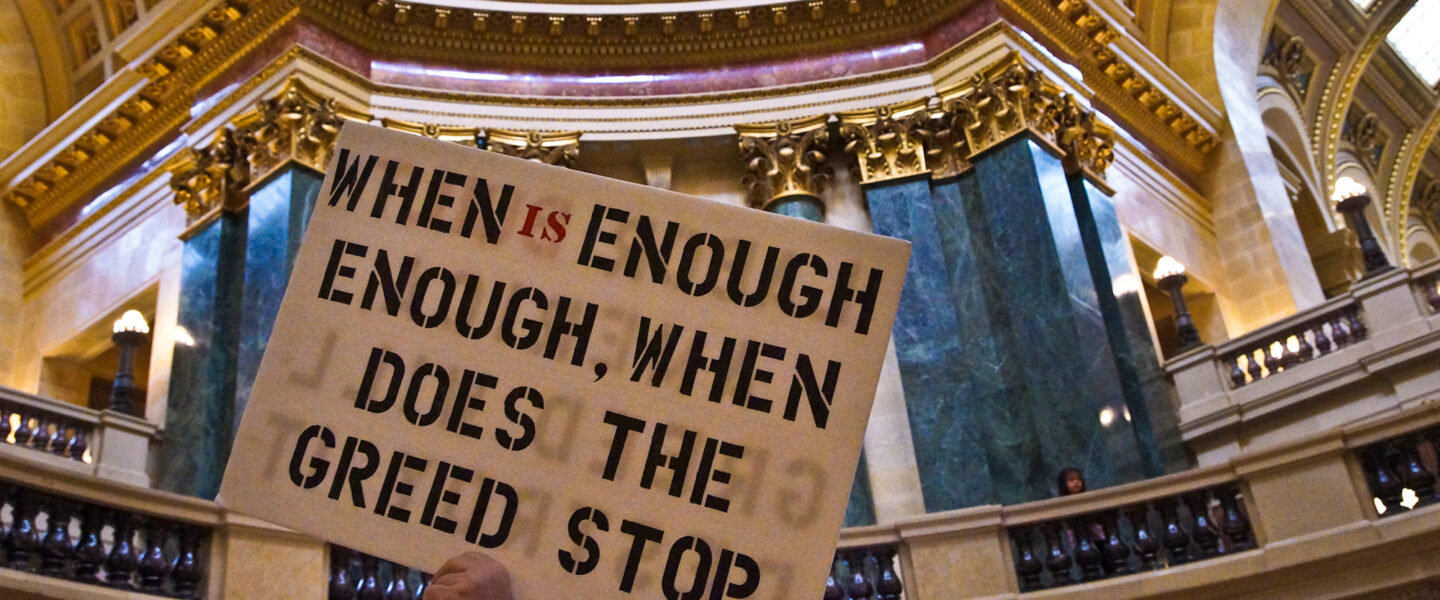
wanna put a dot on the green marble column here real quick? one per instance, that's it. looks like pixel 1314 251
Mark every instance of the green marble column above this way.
pixel 861 508
pixel 279 210
pixel 1149 394
pixel 200 417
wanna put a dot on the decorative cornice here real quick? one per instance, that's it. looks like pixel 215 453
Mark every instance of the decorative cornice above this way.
pixel 1293 65
pixel 887 141
pixel 587 40
pixel 560 149
pixel 223 35
pixel 1362 130
pixel 784 159
pixel 1087 36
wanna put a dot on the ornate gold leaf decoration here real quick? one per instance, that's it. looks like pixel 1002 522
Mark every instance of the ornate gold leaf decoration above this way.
pixel 297 125
pixel 784 159
pixel 1362 129
pixel 559 149
pixel 208 180
pixel 1293 66
pixel 886 140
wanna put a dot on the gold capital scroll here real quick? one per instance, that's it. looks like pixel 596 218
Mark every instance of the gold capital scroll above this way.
pixel 208 180
pixel 888 141
pixel 784 159
pixel 560 149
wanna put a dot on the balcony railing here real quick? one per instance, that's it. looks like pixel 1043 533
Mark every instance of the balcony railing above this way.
pixel 355 575
pixel 1400 471
pixel 865 568
pixel 1301 338
pixel 47 426
pixel 1168 529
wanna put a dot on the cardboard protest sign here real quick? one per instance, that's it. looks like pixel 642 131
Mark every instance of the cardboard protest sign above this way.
pixel 614 390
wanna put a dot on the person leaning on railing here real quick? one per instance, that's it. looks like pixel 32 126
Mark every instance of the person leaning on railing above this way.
pixel 470 576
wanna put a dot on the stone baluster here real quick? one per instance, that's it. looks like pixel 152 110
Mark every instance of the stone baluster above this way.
pixel 399 588
pixel 1304 350
pixel 78 445
pixel 859 586
pixel 1288 356
pixel 4 424
pixel 24 432
pixel 24 539
pixel 153 567
pixel 40 440
pixel 187 573
pixel 1338 333
pixel 888 585
pixel 1253 365
pixel 340 586
pixel 1087 553
pixel 1027 567
pixel 1146 546
pixel 832 585
pixel 1385 484
pixel 369 587
pixel 89 553
pixel 1237 375
pixel 1358 331
pixel 1272 360
pixel 57 549
pixel 121 563
pixel 1202 529
pixel 1322 341
pixel 1413 473
pixel 1234 524
pixel 1057 560
pixel 1174 537
pixel 60 446
pixel 424 583
pixel 1114 551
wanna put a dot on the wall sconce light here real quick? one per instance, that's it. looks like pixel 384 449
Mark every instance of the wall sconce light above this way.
pixel 1170 275
pixel 129 330
pixel 1351 198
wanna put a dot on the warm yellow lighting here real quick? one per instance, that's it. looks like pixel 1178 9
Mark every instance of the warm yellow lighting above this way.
pixel 1345 187
pixel 1167 267
pixel 132 320
pixel 1107 416
pixel 183 337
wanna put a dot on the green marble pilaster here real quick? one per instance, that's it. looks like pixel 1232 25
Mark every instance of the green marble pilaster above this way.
pixel 1149 394
pixel 931 347
pixel 805 207
pixel 279 210
pixel 200 417
pixel 1049 321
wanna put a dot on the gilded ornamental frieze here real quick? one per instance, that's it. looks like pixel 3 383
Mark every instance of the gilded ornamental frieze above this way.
pixel 560 149
pixel 887 142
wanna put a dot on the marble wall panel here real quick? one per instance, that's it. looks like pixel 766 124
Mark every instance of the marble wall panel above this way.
pixel 201 419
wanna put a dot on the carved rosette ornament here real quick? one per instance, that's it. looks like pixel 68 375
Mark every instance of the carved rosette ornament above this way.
pixel 785 159
pixel 559 149
pixel 887 141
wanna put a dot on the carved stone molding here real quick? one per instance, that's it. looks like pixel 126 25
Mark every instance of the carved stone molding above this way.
pixel 784 159
pixel 887 141
pixel 1292 63
pixel 296 125
pixel 559 149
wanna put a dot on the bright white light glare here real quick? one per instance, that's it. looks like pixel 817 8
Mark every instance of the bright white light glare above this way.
pixel 183 337
pixel 1107 416
pixel 1362 4
pixel 1379 506
pixel 1345 187
pixel 132 320
pixel 1126 283
pixel 1127 414
pixel 1408 498
pixel 1168 266
pixel 1415 41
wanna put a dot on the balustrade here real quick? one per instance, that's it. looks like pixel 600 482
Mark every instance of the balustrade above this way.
pixel 864 573
pixel 1400 471
pixel 1155 534
pixel 355 575
pixel 46 425
pixel 1274 349
pixel 77 540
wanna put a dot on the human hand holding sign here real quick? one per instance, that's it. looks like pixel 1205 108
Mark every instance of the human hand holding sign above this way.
pixel 470 576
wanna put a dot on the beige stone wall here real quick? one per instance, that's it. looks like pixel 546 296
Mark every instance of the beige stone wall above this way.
pixel 22 115
pixel 15 245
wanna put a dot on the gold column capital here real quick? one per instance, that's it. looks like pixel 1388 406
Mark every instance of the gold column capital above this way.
pixel 209 180
pixel 296 124
pixel 561 148
pixel 888 142
pixel 785 158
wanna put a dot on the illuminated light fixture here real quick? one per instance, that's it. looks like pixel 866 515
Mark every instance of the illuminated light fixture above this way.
pixel 1351 198
pixel 129 330
pixel 183 337
pixel 1170 276
pixel 1107 416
